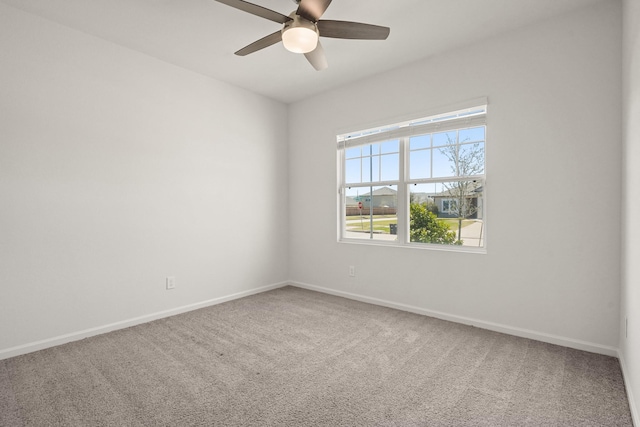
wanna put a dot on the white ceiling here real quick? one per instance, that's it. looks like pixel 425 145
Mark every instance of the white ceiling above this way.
pixel 202 35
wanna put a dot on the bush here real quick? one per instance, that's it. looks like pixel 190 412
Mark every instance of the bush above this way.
pixel 425 227
pixel 432 207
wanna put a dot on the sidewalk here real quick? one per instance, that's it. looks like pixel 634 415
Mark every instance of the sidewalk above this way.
pixel 472 234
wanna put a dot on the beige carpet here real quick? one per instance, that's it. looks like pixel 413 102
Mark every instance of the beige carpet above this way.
pixel 292 357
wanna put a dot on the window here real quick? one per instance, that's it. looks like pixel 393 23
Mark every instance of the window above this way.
pixel 416 183
pixel 449 205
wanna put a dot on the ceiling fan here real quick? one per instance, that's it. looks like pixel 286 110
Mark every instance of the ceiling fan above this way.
pixel 302 28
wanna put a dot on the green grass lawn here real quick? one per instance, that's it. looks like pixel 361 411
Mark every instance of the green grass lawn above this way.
pixel 366 217
pixel 382 225
pixel 453 223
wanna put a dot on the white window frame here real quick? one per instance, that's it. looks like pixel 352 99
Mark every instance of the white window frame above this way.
pixel 467 115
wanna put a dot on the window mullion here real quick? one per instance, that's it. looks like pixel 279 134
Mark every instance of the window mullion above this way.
pixel 371 192
pixel 402 216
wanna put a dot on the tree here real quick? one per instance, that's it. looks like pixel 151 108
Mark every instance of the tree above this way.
pixel 465 160
pixel 425 227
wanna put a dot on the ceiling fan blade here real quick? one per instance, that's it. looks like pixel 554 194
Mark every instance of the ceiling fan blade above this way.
pixel 312 10
pixel 261 44
pixel 317 58
pixel 254 9
pixel 352 30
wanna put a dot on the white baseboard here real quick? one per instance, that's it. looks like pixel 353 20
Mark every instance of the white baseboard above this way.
pixel 75 336
pixel 635 416
pixel 525 333
pixel 505 329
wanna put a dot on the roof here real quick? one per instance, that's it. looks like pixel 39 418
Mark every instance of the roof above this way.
pixel 384 191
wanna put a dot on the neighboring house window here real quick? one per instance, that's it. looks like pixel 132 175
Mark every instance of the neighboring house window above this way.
pixel 419 183
pixel 449 205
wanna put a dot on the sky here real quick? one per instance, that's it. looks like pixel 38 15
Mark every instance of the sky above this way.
pixel 380 162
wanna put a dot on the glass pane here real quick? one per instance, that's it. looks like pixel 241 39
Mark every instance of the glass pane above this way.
pixel 354 204
pixel 352 171
pixel 371 213
pixel 444 138
pixel 366 169
pixel 355 194
pixel 449 213
pixel 390 167
pixel 444 162
pixel 353 152
pixel 420 164
pixel 471 134
pixel 422 141
pixel 390 147
pixel 423 193
pixel 471 159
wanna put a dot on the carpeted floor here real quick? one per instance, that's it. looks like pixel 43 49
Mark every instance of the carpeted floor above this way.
pixel 292 357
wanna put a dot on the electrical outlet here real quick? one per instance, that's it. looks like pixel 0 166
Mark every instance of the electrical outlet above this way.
pixel 352 271
pixel 171 282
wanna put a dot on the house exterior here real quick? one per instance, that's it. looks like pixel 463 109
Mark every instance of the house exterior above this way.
pixel 447 200
pixel 383 201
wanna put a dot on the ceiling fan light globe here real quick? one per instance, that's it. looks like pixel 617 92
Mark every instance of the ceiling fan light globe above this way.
pixel 299 39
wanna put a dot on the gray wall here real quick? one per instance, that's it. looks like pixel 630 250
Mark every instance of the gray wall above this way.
pixel 630 343
pixel 553 143
pixel 117 170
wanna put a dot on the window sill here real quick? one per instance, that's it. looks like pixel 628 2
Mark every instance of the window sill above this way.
pixel 418 246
